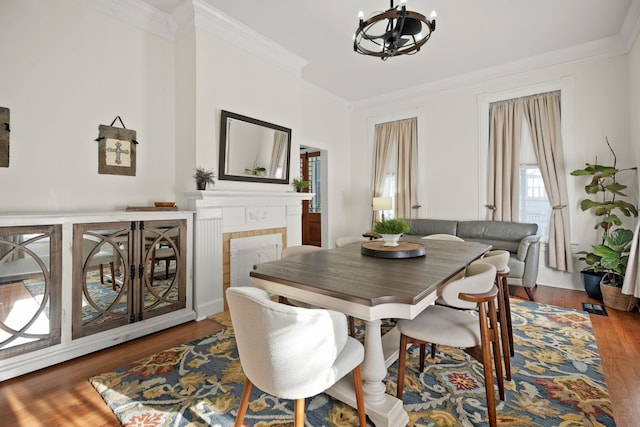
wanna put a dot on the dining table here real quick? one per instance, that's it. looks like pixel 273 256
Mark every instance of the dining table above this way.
pixel 370 284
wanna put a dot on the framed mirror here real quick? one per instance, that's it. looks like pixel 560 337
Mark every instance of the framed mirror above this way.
pixel 253 150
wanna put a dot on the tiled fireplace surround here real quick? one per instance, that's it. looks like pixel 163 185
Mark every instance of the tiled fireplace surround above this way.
pixel 222 215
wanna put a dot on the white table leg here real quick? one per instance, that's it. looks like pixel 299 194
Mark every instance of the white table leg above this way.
pixel 383 409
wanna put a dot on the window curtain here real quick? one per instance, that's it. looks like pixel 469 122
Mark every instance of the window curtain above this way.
pixel 542 113
pixel 505 126
pixel 399 137
pixel 279 149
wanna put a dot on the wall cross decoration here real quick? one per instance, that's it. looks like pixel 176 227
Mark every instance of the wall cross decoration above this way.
pixel 116 149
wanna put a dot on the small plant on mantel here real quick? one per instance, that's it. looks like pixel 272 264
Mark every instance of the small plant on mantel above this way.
pixel 300 184
pixel 203 177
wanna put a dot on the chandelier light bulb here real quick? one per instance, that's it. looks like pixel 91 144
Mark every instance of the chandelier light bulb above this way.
pixel 361 15
pixel 433 15
pixel 403 2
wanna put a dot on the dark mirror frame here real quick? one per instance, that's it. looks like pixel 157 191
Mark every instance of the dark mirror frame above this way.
pixel 227 145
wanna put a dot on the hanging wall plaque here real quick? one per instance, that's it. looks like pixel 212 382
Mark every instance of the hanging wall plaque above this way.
pixel 116 150
pixel 4 137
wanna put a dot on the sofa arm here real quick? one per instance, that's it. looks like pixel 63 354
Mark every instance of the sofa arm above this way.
pixel 525 243
pixel 531 261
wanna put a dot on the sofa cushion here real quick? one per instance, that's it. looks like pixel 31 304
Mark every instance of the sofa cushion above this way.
pixel 424 227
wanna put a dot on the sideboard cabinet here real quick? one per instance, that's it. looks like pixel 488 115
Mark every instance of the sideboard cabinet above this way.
pixel 74 283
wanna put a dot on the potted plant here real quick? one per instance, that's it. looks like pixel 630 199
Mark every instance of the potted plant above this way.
pixel 607 260
pixel 300 184
pixel 391 230
pixel 203 177
pixel 256 170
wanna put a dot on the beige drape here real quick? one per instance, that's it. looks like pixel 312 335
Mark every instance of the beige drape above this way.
pixel 280 142
pixel 505 126
pixel 542 113
pixel 399 137
pixel 631 284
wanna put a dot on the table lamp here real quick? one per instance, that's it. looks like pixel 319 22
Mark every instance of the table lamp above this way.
pixel 382 204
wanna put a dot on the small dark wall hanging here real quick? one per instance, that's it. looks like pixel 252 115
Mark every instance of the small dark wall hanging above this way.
pixel 116 149
pixel 4 137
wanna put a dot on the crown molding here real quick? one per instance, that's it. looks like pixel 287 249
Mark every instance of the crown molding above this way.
pixel 605 48
pixel 138 14
pixel 237 34
pixel 631 25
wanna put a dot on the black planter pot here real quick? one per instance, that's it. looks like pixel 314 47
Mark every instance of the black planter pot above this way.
pixel 591 282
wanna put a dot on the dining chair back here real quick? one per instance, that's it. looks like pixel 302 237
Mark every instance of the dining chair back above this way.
pixel 475 333
pixel 291 352
pixel 441 236
pixel 349 240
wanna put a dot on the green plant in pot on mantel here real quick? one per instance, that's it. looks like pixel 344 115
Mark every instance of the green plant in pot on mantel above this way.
pixel 203 177
pixel 606 263
pixel 300 184
pixel 391 230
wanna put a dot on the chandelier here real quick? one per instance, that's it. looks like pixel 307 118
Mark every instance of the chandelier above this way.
pixel 397 31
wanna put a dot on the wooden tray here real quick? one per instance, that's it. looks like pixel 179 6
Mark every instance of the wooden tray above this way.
pixel 403 250
pixel 149 208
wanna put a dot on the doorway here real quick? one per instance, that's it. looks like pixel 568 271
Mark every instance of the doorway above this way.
pixel 311 171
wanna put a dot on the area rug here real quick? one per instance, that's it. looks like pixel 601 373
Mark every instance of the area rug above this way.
pixel 557 380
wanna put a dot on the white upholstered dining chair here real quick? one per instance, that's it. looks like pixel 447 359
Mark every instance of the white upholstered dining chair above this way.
pixel 458 325
pixel 350 240
pixel 291 352
pixel 439 236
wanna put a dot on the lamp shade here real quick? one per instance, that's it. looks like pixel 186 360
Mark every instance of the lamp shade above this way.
pixel 382 203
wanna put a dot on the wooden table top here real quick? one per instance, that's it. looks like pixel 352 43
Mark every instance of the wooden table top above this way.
pixel 347 274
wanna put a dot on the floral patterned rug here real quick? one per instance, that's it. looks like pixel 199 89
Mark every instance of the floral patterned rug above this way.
pixel 557 380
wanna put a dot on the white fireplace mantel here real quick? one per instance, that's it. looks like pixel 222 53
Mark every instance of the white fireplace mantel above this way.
pixel 226 211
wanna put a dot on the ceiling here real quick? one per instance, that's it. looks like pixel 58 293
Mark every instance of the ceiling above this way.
pixel 474 40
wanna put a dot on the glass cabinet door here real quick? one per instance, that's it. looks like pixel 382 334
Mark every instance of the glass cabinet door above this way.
pixel 164 281
pixel 30 288
pixel 125 272
pixel 103 266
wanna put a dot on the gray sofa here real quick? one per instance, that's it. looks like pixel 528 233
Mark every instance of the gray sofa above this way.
pixel 520 239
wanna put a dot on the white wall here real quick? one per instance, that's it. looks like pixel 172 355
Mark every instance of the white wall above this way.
pixel 449 159
pixel 68 68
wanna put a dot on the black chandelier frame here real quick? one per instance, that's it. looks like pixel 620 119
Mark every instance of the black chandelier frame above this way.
pixel 390 44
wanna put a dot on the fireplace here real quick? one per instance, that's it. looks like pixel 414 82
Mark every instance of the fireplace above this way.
pixel 222 216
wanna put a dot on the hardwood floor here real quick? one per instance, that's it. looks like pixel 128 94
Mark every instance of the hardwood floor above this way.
pixel 62 396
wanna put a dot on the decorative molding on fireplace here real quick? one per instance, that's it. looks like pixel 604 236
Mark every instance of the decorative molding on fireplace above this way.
pixel 225 211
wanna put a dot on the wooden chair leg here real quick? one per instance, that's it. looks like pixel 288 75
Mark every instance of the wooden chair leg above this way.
pixel 101 274
pixel 423 351
pixel 402 361
pixel 433 350
pixel 357 380
pixel 352 327
pixel 507 307
pixel 299 413
pixel 487 366
pixel 504 332
pixel 495 341
pixel 114 285
pixel 244 403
